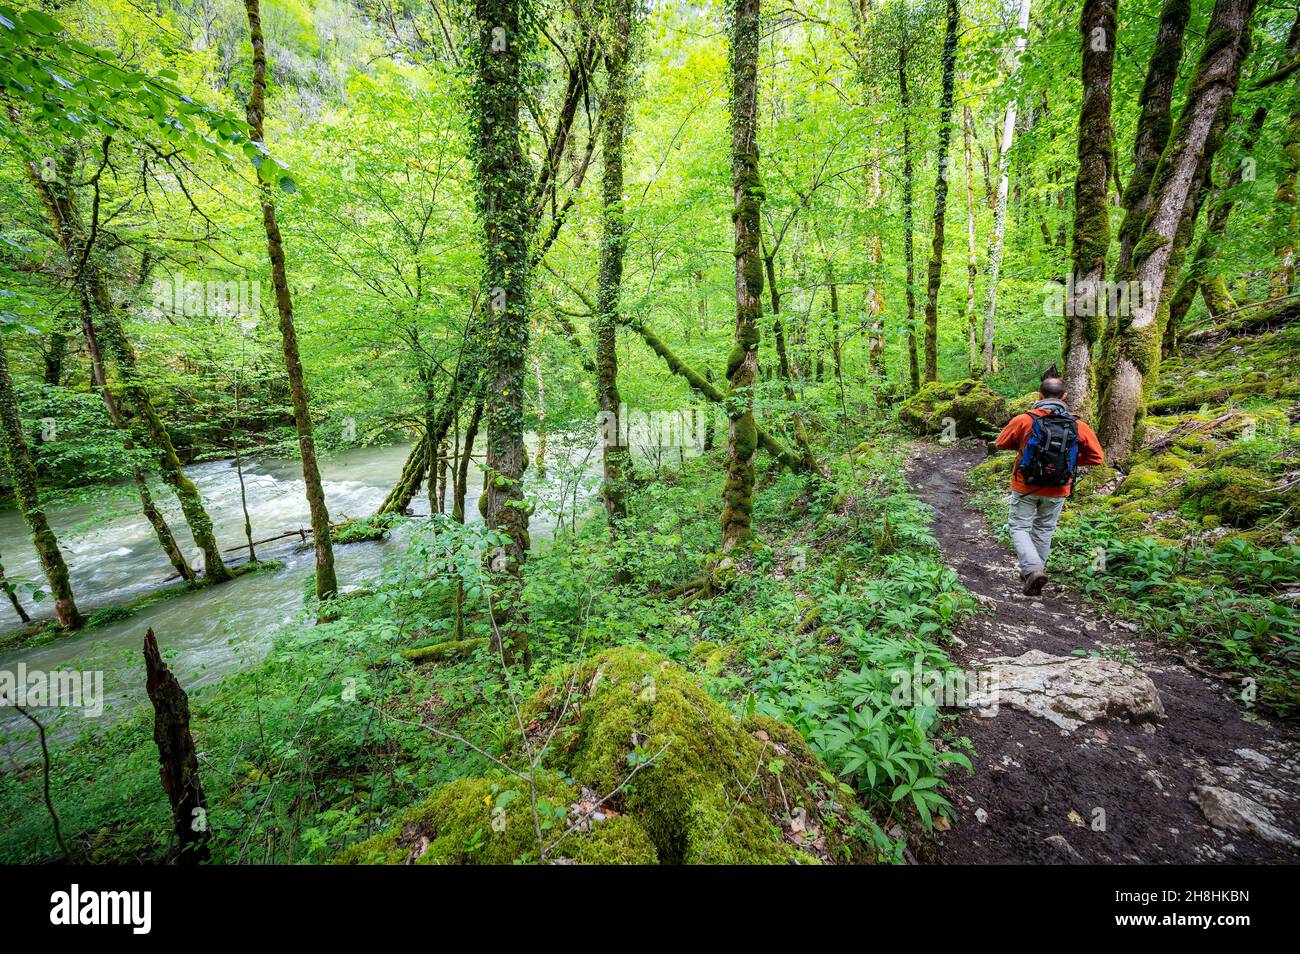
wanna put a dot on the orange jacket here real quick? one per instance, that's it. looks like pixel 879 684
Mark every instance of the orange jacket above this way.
pixel 1016 434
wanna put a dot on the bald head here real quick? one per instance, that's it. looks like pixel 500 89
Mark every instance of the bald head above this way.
pixel 1052 388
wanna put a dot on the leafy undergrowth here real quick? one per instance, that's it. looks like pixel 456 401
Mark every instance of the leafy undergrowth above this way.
pixel 334 736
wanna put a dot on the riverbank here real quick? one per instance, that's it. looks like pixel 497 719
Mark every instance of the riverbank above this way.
pixel 332 734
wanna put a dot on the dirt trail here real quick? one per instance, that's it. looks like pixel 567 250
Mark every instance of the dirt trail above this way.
pixel 1031 775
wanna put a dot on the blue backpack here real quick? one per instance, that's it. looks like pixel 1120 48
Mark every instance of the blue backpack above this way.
pixel 1049 457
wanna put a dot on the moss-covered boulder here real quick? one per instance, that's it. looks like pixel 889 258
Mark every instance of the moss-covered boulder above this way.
pixel 993 473
pixel 640 766
pixel 1022 404
pixel 490 821
pixel 712 790
pixel 1237 497
pixel 971 405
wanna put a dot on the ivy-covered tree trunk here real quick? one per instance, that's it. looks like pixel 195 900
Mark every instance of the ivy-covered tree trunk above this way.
pixel 1085 299
pixel 612 244
pixel 935 270
pixel 909 253
pixel 742 363
pixel 502 168
pixel 1000 203
pixel 326 580
pixel 22 473
pixel 972 266
pixel 1137 344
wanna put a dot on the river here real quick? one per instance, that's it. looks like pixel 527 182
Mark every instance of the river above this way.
pixel 114 557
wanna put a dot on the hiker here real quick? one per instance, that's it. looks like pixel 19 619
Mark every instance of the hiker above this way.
pixel 1051 444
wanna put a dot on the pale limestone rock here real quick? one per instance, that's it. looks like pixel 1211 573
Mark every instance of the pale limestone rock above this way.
pixel 1068 691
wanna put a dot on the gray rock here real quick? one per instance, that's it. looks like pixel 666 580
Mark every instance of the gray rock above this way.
pixel 1233 812
pixel 1067 850
pixel 1068 691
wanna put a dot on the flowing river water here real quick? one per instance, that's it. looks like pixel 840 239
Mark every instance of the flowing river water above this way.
pixel 206 633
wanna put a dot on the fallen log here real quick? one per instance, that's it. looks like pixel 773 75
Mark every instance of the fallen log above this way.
pixel 447 649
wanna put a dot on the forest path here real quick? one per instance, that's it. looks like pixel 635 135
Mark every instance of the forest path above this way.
pixel 1037 787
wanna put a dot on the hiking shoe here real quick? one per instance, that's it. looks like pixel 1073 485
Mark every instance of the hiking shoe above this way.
pixel 1035 582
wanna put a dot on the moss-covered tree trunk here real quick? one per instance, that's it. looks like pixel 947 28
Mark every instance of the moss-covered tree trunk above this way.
pixel 22 473
pixel 1201 273
pixel 972 266
pixel 501 45
pixel 988 362
pixel 1137 344
pixel 322 540
pixel 909 251
pixel 610 279
pixel 156 436
pixel 935 270
pixel 1155 120
pixel 1286 211
pixel 747 198
pixel 1085 299
pixel 91 289
pixel 178 761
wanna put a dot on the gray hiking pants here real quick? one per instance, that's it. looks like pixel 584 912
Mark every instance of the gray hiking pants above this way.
pixel 1032 521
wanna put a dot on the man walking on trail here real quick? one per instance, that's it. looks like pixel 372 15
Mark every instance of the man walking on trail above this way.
pixel 1050 443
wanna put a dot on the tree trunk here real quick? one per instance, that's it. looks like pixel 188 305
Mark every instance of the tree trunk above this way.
pixel 1199 274
pixel 11 591
pixel 1085 298
pixel 798 427
pixel 709 426
pixel 502 168
pixel 92 293
pixel 1137 345
pixel 409 481
pixel 1154 122
pixel 909 254
pixel 166 539
pixel 747 198
pixel 23 475
pixel 178 763
pixel 1285 209
pixel 539 454
pixel 326 581
pixel 1000 203
pixel 462 466
pixel 934 273
pixel 613 243
pixel 972 343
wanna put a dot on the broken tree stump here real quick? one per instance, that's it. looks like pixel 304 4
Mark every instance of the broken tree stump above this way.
pixel 178 763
